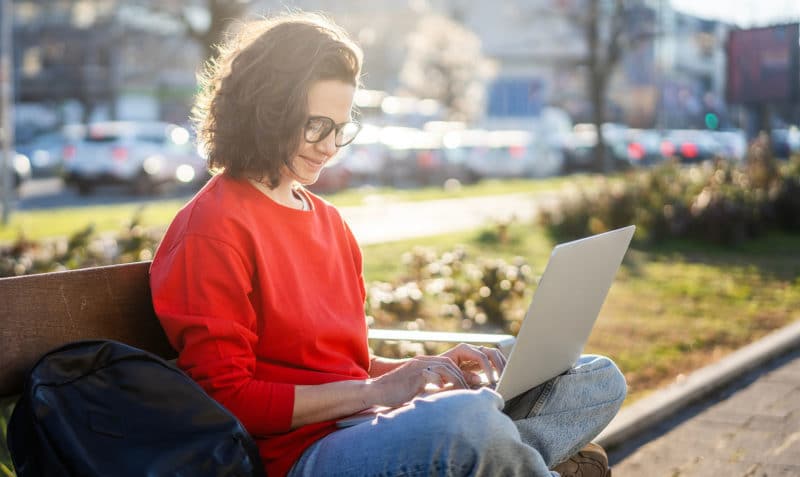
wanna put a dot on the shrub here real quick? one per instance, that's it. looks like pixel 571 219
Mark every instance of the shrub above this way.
pixel 83 249
pixel 717 202
pixel 484 293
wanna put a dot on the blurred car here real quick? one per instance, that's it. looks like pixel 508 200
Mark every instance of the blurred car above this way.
pixel 414 157
pixel 785 142
pixel 642 147
pixel 333 178
pixel 20 168
pixel 733 144
pixel 690 146
pixel 500 153
pixel 141 155
pixel 46 152
pixel 580 145
pixel 365 158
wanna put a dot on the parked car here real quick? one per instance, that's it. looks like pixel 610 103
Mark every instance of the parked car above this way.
pixel 475 154
pixel 690 146
pixel 333 178
pixel 46 152
pixel 500 153
pixel 365 158
pixel 141 155
pixel 413 157
pixel 733 144
pixel 642 147
pixel 785 142
pixel 580 146
pixel 20 169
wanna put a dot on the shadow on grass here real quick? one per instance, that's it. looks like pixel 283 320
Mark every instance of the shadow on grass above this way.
pixel 772 256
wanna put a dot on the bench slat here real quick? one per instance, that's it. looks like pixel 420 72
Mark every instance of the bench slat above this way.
pixel 43 311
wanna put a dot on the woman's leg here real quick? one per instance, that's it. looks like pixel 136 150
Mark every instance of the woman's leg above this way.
pixel 454 433
pixel 561 416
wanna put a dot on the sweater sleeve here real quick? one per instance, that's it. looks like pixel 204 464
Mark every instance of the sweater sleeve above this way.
pixel 200 292
pixel 358 264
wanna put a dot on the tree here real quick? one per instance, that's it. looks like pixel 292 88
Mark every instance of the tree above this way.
pixel 609 28
pixel 444 62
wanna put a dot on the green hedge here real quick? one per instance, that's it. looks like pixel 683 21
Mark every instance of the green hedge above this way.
pixel 717 202
pixel 85 248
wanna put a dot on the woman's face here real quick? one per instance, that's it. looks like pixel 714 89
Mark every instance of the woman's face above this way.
pixel 328 98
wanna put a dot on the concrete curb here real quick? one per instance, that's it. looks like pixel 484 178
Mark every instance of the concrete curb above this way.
pixel 645 413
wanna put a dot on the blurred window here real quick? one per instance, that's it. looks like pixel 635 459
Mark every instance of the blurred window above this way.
pixel 101 138
pixel 152 138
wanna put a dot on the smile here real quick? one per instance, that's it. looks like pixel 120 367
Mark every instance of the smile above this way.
pixel 312 162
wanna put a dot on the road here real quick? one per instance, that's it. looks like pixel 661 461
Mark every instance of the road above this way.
pixel 47 193
pixel 384 222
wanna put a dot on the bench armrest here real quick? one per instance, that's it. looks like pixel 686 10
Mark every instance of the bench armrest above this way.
pixel 503 342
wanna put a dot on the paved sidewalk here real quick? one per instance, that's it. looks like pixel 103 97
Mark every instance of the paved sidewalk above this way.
pixel 749 428
pixel 389 221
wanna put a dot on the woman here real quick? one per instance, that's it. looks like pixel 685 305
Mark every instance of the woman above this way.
pixel 258 285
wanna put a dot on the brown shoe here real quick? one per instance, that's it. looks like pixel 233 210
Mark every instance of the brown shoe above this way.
pixel 591 461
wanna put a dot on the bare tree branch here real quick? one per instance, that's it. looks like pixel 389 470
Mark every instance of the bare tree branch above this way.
pixel 608 32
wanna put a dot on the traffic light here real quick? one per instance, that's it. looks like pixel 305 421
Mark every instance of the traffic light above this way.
pixel 712 121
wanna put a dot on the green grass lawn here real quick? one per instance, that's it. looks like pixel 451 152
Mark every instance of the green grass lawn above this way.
pixel 61 222
pixel 672 309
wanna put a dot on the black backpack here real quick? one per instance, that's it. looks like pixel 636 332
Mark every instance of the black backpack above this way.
pixel 103 408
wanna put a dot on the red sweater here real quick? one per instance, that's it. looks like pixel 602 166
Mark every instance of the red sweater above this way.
pixel 257 297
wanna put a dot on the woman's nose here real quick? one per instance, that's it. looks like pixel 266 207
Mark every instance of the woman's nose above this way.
pixel 328 144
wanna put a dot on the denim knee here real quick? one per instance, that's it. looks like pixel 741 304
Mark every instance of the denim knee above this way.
pixel 475 438
pixel 463 416
pixel 576 406
pixel 607 382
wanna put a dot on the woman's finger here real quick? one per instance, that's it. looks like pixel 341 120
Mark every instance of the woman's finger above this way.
pixel 431 376
pixel 448 374
pixel 486 364
pixel 472 357
pixel 496 357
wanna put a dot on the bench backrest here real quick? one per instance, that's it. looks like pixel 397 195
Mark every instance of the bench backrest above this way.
pixel 41 312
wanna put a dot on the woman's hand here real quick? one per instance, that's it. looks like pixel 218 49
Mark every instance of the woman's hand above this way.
pixel 477 359
pixel 401 384
pixel 456 368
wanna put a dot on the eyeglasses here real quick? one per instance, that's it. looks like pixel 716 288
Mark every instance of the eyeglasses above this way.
pixel 318 128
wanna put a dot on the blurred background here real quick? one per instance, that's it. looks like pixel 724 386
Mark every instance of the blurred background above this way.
pixel 100 90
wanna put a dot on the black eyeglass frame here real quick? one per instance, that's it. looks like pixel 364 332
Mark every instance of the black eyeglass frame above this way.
pixel 330 125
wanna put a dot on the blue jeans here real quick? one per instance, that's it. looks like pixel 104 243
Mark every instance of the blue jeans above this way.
pixel 460 433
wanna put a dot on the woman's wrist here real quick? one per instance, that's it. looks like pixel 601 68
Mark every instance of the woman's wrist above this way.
pixel 371 394
pixel 379 366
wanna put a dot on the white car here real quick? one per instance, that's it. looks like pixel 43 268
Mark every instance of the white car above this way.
pixel 142 155
pixel 508 153
pixel 20 169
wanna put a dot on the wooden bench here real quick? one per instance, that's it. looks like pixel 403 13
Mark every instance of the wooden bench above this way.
pixel 41 312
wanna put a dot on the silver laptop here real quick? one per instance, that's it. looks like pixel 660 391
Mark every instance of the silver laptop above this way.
pixel 561 315
pixel 563 310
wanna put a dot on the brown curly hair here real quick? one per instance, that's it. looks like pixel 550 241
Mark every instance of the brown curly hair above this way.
pixel 253 101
